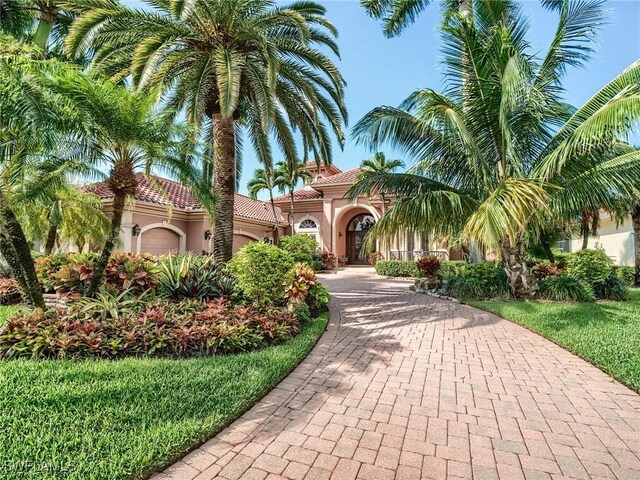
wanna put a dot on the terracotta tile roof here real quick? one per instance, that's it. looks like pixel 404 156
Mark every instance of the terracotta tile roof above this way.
pixel 306 193
pixel 180 196
pixel 348 176
pixel 313 165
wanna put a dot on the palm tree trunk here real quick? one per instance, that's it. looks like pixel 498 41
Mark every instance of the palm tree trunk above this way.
pixel 546 246
pixel 293 230
pixel 16 251
pixel 584 230
pixel 276 233
pixel 47 18
pixel 51 239
pixel 522 282
pixel 225 185
pixel 635 219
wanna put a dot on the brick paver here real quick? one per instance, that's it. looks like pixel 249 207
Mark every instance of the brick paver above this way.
pixel 405 386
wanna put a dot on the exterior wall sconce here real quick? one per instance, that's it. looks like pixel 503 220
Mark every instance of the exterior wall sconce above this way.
pixel 207 234
pixel 135 230
pixel 340 234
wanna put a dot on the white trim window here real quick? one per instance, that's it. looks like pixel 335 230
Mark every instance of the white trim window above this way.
pixel 309 226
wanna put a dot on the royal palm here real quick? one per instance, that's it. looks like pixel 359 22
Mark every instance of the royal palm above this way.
pixel 265 180
pixel 242 67
pixel 499 153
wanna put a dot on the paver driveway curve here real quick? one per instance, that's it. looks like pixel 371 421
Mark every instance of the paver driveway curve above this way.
pixel 407 386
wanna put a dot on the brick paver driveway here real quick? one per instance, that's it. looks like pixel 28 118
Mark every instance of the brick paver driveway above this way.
pixel 407 386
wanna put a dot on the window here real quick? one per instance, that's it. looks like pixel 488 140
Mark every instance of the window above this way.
pixel 308 223
pixel 410 241
pixel 424 242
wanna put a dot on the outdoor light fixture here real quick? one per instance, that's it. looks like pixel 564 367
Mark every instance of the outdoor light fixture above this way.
pixel 207 234
pixel 136 230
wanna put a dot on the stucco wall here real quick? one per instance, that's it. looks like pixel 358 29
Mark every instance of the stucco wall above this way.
pixel 617 241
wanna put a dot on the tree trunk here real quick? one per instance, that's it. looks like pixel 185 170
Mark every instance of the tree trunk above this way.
pixel 635 218
pixel 522 282
pixel 293 230
pixel 51 239
pixel 224 146
pixel 45 25
pixel 16 251
pixel 546 246
pixel 122 182
pixel 276 232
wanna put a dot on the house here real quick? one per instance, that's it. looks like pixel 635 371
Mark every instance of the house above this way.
pixel 617 240
pixel 165 217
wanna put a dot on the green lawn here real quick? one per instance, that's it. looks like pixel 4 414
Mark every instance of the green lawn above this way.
pixel 127 418
pixel 606 334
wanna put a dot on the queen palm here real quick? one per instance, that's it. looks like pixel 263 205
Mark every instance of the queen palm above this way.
pixel 376 165
pixel 265 180
pixel 124 131
pixel 287 176
pixel 515 155
pixel 245 66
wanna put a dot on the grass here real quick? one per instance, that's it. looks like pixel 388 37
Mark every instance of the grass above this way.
pixel 607 334
pixel 128 418
pixel 6 312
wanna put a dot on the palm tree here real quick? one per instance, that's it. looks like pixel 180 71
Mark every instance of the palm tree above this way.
pixel 515 154
pixel 265 180
pixel 124 131
pixel 378 164
pixel 241 67
pixel 287 176
pixel 37 20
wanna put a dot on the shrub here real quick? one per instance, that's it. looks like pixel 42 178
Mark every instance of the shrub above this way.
pixel 318 299
pixel 626 274
pixel 564 288
pixel 374 258
pixel 302 313
pixel 429 266
pixel 451 268
pixel 303 248
pixel 397 268
pixel 154 328
pixel 589 266
pixel 328 260
pixel 260 269
pixel 299 281
pixel 613 288
pixel 545 269
pixel 132 271
pixel 188 275
pixel 479 281
pixel 9 292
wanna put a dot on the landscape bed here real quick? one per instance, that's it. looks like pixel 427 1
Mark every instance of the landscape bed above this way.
pixel 606 333
pixel 125 419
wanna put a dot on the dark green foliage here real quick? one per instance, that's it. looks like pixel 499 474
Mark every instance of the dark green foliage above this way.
pixel 590 266
pixel 626 274
pixel 613 288
pixel 564 288
pixel 397 268
pixel 303 248
pixel 111 326
pixel 478 281
pixel 302 313
pixel 450 268
pixel 192 276
pixel 318 299
pixel 260 270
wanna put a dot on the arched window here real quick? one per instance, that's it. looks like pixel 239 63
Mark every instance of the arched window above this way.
pixel 309 227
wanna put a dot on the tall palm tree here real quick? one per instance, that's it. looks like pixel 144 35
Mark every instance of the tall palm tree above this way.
pixel 265 180
pixel 515 155
pixel 287 176
pixel 37 20
pixel 125 131
pixel 247 66
pixel 378 164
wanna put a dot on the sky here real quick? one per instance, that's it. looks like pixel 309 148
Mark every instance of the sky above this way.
pixel 381 71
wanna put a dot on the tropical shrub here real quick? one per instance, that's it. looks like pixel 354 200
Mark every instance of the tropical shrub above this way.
pixel 613 288
pixel 318 298
pixel 397 268
pixel 545 269
pixel 564 288
pixel 260 270
pixel 132 271
pixel 374 258
pixel 590 266
pixel 328 260
pixel 9 292
pixel 302 313
pixel 299 281
pixel 303 248
pixel 429 266
pixel 149 328
pixel 451 268
pixel 479 281
pixel 626 274
pixel 189 275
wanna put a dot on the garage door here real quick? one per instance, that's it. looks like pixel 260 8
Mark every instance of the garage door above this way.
pixel 160 241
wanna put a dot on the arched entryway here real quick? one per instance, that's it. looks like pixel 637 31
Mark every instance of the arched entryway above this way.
pixel 357 230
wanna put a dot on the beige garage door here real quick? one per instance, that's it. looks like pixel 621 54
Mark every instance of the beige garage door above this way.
pixel 240 241
pixel 160 241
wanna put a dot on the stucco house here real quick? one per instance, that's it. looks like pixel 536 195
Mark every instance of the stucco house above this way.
pixel 170 219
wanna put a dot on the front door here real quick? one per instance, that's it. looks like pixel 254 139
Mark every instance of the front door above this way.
pixel 355 240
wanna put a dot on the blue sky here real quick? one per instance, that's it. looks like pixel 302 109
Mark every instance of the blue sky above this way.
pixel 381 71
